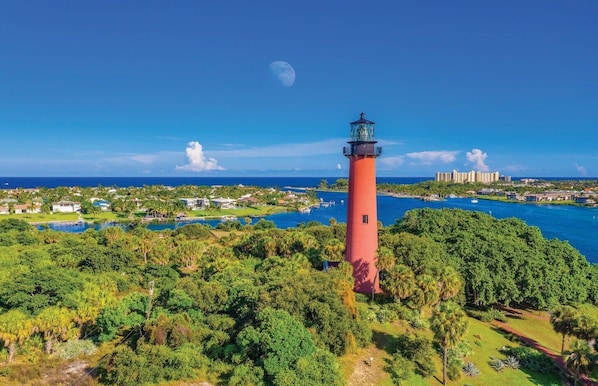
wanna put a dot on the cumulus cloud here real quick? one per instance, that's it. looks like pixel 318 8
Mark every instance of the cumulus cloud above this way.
pixel 428 157
pixel 198 162
pixel 339 166
pixel 477 158
pixel 581 170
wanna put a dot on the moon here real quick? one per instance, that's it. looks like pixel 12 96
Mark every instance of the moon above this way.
pixel 283 72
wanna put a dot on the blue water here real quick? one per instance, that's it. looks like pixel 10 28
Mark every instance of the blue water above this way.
pixel 577 225
pixel 123 182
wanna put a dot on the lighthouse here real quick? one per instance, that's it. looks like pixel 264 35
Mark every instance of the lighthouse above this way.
pixel 362 218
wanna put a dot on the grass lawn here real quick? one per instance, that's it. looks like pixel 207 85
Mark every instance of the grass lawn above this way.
pixel 540 329
pixel 484 340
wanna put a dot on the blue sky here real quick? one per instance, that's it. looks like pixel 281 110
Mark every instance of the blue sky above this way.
pixel 191 88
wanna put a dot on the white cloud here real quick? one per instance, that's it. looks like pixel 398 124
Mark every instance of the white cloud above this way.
pixel 339 166
pixel 428 157
pixel 477 158
pixel 198 162
pixel 581 170
pixel 391 162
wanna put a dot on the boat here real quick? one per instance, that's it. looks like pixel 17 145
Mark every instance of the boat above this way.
pixel 474 200
pixel 305 210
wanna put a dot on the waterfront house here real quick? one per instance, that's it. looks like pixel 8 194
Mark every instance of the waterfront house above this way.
pixel 66 207
pixel 224 203
pixel 28 208
pixel 195 203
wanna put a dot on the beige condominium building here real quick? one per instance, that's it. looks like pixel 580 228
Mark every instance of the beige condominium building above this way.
pixel 468 177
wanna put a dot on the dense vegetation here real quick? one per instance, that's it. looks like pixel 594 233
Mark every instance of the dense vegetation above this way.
pixel 242 304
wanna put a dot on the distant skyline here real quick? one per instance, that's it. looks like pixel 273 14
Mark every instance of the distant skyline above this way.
pixel 268 88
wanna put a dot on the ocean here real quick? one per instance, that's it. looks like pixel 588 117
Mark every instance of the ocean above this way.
pixel 576 225
pixel 123 182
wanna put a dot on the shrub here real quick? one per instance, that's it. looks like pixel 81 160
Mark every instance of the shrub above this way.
pixel 454 372
pixel 74 348
pixel 512 362
pixel 488 316
pixel 471 369
pixel 531 359
pixel 386 315
pixel 418 323
pixel 498 365
pixel 498 315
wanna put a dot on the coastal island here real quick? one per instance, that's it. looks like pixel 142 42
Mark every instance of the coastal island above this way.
pixel 160 203
pixel 150 203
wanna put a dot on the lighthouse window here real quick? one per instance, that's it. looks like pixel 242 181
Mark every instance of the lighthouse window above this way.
pixel 364 218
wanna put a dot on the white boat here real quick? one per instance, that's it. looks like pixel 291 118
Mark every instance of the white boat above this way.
pixel 474 200
pixel 304 210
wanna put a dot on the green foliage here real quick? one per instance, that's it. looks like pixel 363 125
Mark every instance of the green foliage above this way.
pixel 256 311
pixel 247 374
pixel 194 231
pixel 530 358
pixel 499 260
pixel 13 224
pixel 487 315
pixel 276 343
pixel 127 313
pixel 401 368
pixel 264 224
pixel 417 349
pixel 37 287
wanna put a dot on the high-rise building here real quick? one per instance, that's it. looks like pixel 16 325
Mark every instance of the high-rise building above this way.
pixel 468 177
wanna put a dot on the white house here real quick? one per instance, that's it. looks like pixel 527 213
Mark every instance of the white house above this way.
pixel 224 203
pixel 66 207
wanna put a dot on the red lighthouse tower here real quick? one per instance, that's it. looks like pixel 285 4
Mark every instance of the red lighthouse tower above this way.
pixel 362 218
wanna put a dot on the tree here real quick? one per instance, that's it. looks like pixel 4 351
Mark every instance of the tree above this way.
pixel 334 250
pixel 399 282
pixel 449 283
pixel 400 368
pixel 449 324
pixel 189 251
pixel 55 323
pixel 563 320
pixel 385 259
pixel 586 323
pixel 429 287
pixel 15 327
pixel 580 359
pixel 277 343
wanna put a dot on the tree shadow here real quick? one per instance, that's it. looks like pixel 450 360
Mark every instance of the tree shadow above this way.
pixel 386 342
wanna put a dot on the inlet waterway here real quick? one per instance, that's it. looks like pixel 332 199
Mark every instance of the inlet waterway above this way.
pixel 576 225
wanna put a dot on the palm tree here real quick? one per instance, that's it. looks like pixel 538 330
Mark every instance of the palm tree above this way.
pixel 449 324
pixel 429 287
pixel 563 320
pixel 449 283
pixel 55 323
pixel 334 250
pixel 400 282
pixel 15 327
pixel 385 259
pixel 580 359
